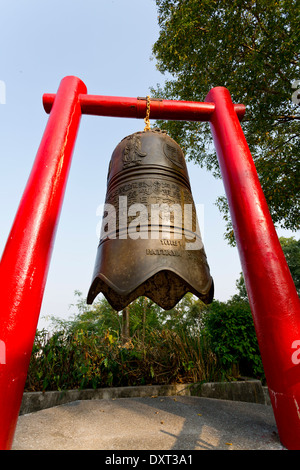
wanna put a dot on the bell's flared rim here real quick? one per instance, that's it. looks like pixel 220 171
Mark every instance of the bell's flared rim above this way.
pixel 102 284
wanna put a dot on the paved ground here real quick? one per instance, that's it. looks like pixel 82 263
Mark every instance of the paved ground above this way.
pixel 157 423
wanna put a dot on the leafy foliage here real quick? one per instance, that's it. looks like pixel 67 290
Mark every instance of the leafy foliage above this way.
pixel 190 343
pixel 252 48
pixel 291 249
pixel 84 360
pixel 232 337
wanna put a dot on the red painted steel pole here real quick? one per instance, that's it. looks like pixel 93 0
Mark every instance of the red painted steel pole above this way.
pixel 25 261
pixel 117 106
pixel 272 294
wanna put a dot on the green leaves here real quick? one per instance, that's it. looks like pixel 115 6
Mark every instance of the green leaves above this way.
pixel 291 249
pixel 252 48
pixel 231 332
pixel 191 343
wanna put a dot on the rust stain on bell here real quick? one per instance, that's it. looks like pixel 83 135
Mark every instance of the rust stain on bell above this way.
pixel 150 242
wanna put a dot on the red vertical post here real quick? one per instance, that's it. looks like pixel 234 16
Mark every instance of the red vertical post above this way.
pixel 272 294
pixel 25 260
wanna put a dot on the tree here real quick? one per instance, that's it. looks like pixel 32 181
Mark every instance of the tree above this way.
pixel 252 48
pixel 186 315
pixel 97 318
pixel 291 250
pixel 125 325
pixel 137 321
pixel 230 329
pixel 241 288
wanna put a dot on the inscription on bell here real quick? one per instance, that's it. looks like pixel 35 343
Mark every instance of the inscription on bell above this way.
pixel 132 154
pixel 173 154
pixel 158 252
pixel 149 193
pixel 171 242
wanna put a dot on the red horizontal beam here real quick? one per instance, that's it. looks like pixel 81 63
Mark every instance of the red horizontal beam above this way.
pixel 115 106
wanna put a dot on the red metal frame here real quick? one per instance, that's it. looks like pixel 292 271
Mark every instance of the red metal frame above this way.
pixel 24 265
pixel 118 106
pixel 272 294
pixel 25 260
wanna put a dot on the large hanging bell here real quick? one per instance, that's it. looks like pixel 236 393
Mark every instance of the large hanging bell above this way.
pixel 150 242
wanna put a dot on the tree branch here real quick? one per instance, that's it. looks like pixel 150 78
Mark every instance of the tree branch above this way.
pixel 288 118
pixel 285 142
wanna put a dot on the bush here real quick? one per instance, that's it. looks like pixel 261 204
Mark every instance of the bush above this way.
pixel 230 329
pixel 191 343
pixel 83 359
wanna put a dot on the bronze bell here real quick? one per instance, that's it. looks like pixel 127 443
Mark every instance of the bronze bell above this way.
pixel 150 242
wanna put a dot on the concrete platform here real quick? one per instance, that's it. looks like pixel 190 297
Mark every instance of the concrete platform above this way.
pixel 157 423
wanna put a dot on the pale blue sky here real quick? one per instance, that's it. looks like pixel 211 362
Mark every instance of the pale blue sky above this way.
pixel 106 43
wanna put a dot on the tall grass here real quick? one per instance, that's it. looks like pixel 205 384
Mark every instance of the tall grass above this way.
pixel 189 344
pixel 83 359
